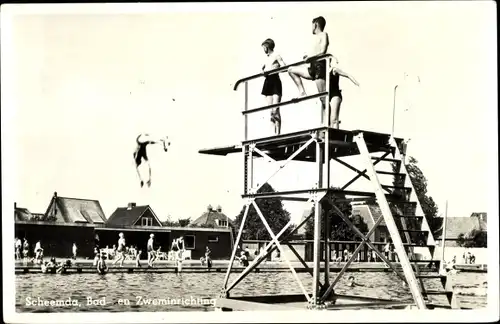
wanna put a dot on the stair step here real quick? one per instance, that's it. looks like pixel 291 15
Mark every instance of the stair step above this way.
pixel 418 245
pixel 409 216
pixel 391 173
pixel 438 293
pixel 404 202
pixel 413 231
pixel 396 187
pixel 425 261
pixel 430 276
pixel 386 159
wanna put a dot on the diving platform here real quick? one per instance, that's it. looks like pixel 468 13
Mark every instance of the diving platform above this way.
pixel 397 201
pixel 281 147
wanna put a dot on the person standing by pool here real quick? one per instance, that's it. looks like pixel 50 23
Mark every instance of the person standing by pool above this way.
pixel 207 257
pixel 151 251
pixel 178 248
pixel 138 259
pixel 120 251
pixel 38 253
pixel 26 248
pixel 96 256
pixel 387 249
pixel 74 251
pixel 18 246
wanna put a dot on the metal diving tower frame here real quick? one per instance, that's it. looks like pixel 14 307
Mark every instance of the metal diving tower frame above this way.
pixel 398 202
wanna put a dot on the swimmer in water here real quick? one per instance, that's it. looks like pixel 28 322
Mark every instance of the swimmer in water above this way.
pixel 272 88
pixel 352 283
pixel 120 251
pixel 140 153
pixel 102 268
pixel 243 259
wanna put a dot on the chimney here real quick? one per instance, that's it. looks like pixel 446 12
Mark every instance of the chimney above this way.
pixel 219 209
pixel 131 205
pixel 209 208
pixel 55 194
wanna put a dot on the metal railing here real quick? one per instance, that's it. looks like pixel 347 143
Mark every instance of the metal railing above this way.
pixel 285 68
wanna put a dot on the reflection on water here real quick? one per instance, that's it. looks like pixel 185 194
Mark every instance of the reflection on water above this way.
pixel 195 286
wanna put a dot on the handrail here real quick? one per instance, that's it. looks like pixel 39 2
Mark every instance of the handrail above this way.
pixel 282 69
pixel 285 103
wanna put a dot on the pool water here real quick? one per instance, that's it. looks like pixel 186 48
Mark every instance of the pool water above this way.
pixel 116 288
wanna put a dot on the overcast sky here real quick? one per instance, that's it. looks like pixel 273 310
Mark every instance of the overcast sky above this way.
pixel 82 87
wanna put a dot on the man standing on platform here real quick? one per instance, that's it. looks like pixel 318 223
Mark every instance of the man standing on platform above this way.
pixel 317 69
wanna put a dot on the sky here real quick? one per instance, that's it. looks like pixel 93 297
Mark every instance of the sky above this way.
pixel 82 86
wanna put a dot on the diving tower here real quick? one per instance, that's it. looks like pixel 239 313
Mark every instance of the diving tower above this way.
pixel 401 210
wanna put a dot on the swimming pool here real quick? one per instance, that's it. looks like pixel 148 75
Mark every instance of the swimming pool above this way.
pixel 183 292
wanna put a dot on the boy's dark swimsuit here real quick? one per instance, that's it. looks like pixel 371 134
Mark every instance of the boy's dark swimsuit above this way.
pixel 272 86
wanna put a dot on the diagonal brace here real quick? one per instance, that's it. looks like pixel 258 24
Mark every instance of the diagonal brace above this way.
pixel 263 154
pixel 290 158
pixel 363 172
pixel 354 254
pixel 370 244
pixel 275 240
pixel 258 261
pixel 360 173
pixel 238 238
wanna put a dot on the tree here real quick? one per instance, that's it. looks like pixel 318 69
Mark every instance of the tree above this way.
pixel 183 222
pixel 339 230
pixel 43 218
pixel 202 225
pixel 273 211
pixel 419 182
pixel 474 238
pixel 169 222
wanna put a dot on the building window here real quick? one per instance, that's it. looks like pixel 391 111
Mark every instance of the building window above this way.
pixel 189 242
pixel 147 221
pixel 382 236
pixel 222 223
pixel 213 238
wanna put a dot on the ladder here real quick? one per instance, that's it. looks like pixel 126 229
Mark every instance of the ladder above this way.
pixel 407 226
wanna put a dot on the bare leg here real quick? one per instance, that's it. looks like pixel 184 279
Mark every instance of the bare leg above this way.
pixel 149 167
pixel 335 106
pixel 269 101
pixel 296 73
pixel 321 85
pixel 276 115
pixel 139 174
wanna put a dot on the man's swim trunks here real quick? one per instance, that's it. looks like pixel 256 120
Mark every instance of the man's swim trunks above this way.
pixel 272 85
pixel 317 70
